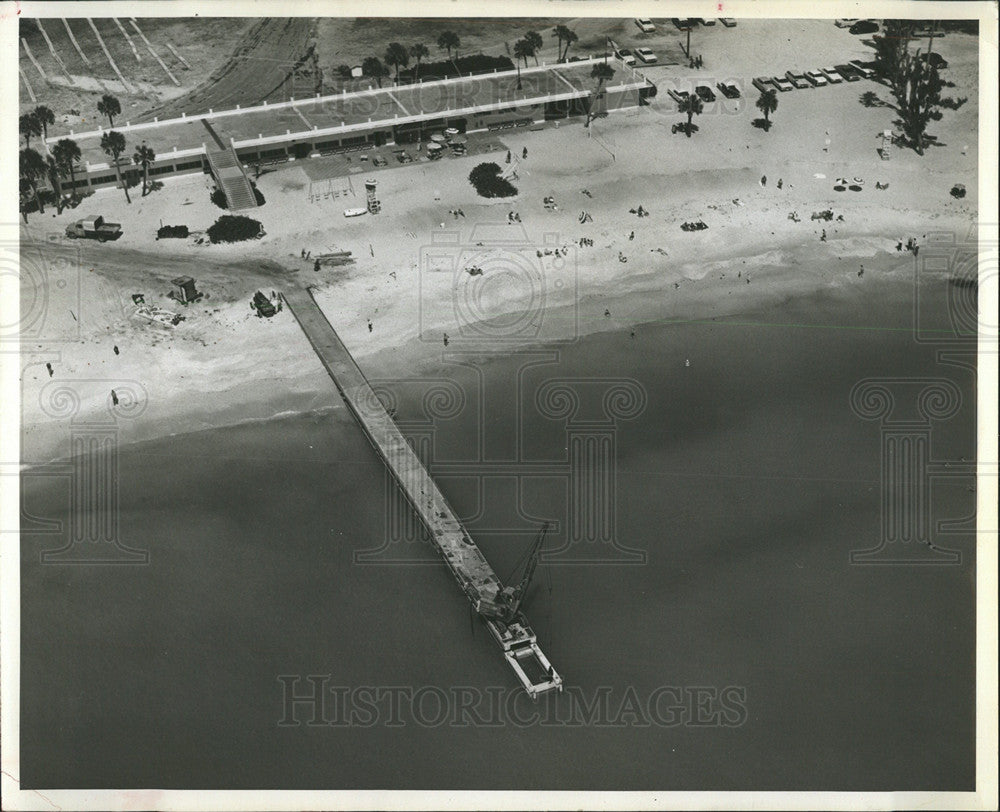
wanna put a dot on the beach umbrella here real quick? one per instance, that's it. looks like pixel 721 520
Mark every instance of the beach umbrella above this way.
pixel 438 138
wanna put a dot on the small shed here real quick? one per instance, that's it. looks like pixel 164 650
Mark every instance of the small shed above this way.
pixel 185 291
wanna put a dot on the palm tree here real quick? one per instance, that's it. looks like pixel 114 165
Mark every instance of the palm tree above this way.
pixel 373 67
pixel 449 40
pixel 418 51
pixel 569 37
pixel 534 39
pixel 767 104
pixel 45 117
pixel 109 106
pixel 692 106
pixel 32 167
pixel 396 55
pixel 54 174
pixel 144 156
pixel 560 32
pixel 522 50
pixel 113 144
pixel 602 72
pixel 29 125
pixel 67 152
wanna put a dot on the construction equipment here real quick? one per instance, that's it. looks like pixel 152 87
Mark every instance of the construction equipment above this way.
pixel 508 604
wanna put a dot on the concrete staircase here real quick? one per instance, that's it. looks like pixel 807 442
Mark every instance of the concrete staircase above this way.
pixel 230 177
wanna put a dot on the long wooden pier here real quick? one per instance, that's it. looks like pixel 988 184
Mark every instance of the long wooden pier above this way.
pixel 465 560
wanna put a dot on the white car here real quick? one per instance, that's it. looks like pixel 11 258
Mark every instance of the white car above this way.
pixel 645 25
pixel 626 56
pixel 816 78
pixel 728 22
pixel 706 20
pixel 846 22
pixel 832 76
pixel 645 55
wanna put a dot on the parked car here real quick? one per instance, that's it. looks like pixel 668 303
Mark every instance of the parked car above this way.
pixel 763 84
pixel 645 25
pixel 728 22
pixel 681 25
pixel 678 95
pixel 729 90
pixel 94 228
pixel 705 20
pixel 845 22
pixel 864 27
pixel 797 79
pixel 862 69
pixel 849 72
pixel 832 76
pixel 705 93
pixel 645 55
pixel 782 84
pixel 816 78
pixel 626 56
pixel 378 160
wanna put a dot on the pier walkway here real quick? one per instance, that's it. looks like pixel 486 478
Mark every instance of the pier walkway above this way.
pixel 465 560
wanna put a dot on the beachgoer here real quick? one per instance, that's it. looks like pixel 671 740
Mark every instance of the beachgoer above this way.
pixel 631 333
pixel 48 366
pixel 631 235
pixel 508 156
pixel 316 265
pixel 763 180
pixel 822 237
pixel 524 152
pixel 303 253
pixel 114 397
pixel 369 325
pixel 446 339
pixel 861 271
pixel 607 313
pixel 116 349
pixel 780 183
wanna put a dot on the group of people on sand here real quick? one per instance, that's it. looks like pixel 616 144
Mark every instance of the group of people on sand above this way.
pixel 911 245
pixel 456 213
pixel 696 62
pixel 512 217
pixel 585 242
pixel 639 212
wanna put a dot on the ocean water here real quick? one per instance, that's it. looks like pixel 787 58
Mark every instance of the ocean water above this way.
pixel 745 653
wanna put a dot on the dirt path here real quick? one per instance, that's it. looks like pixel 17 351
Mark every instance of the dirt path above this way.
pixel 259 69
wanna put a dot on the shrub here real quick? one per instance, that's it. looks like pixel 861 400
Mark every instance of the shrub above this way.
pixel 235 228
pixel 488 183
pixel 171 231
pixel 463 66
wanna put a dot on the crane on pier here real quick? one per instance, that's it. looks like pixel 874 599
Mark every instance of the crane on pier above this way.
pixel 508 605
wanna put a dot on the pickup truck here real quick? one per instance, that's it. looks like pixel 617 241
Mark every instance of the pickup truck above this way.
pixel 94 228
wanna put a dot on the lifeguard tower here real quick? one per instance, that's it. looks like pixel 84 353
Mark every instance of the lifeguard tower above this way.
pixel 374 207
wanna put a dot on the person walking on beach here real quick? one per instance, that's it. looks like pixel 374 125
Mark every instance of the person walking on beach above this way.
pixel 861 272
pixel 607 313
pixel 631 235
pixel 114 397
pixel 116 349
pixel 48 366
pixel 446 339
pixel 369 325
pixel 763 180
pixel 524 152
pixel 316 266
pixel 508 156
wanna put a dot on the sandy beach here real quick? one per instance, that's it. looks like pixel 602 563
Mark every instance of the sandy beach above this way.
pixel 223 365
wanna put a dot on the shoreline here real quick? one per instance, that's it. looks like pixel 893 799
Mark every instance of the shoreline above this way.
pixel 651 299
